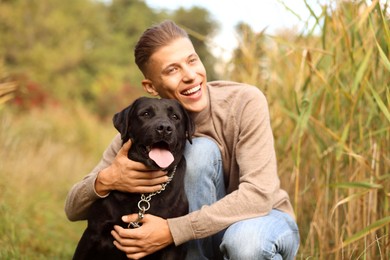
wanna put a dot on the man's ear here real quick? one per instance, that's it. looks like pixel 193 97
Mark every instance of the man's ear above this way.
pixel 149 87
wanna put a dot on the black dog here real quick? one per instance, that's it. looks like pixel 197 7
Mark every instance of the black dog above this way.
pixel 159 129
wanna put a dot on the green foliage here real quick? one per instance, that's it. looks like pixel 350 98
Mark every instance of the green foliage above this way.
pixel 51 41
pixel 82 49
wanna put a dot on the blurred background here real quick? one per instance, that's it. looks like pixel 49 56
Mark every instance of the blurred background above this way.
pixel 67 66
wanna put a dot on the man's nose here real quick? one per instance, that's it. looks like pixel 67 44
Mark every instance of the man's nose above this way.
pixel 189 74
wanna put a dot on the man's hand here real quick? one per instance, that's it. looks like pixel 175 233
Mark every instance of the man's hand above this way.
pixel 128 176
pixel 152 236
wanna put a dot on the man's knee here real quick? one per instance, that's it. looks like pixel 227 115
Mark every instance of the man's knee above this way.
pixel 235 247
pixel 273 237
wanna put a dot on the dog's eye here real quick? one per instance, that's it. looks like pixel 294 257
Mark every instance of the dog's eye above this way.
pixel 176 117
pixel 145 114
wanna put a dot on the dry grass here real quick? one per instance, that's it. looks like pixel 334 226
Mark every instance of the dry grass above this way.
pixel 329 101
pixel 42 154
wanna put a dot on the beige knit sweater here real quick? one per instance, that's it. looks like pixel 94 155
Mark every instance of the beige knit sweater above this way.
pixel 237 118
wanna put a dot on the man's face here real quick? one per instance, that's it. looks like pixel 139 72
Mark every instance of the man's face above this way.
pixel 176 72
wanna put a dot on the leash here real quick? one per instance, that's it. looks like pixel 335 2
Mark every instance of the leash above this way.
pixel 144 202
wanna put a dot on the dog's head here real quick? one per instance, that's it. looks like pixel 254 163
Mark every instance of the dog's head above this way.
pixel 158 128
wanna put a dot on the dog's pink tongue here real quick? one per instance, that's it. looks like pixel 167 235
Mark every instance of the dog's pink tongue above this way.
pixel 161 157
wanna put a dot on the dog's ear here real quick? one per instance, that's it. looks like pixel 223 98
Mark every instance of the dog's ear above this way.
pixel 190 125
pixel 122 122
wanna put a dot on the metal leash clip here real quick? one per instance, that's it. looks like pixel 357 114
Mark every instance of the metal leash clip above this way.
pixel 136 224
pixel 144 203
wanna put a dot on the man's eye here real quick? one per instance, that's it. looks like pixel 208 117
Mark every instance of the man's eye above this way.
pixel 171 70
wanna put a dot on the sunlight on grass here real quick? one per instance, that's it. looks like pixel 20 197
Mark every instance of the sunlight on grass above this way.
pixel 42 154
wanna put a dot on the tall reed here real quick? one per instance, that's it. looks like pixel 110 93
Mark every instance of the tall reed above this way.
pixel 329 101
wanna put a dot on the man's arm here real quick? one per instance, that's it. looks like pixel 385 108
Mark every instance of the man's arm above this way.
pixel 84 193
pixel 114 172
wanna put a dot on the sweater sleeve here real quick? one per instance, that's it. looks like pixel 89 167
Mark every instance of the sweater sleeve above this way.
pixel 258 183
pixel 83 193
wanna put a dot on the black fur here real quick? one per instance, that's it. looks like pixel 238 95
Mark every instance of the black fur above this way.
pixel 147 122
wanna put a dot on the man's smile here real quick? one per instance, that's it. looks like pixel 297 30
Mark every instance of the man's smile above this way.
pixel 191 91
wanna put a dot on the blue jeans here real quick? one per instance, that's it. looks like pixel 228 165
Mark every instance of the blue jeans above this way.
pixel 274 236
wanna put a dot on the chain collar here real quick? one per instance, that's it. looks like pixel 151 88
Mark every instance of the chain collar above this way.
pixel 144 202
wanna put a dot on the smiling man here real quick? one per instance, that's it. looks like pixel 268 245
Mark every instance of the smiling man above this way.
pixel 237 208
pixel 175 71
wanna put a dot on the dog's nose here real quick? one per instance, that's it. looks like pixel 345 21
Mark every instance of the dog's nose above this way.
pixel 164 129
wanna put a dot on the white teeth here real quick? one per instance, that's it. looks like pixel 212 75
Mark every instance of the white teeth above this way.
pixel 192 90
